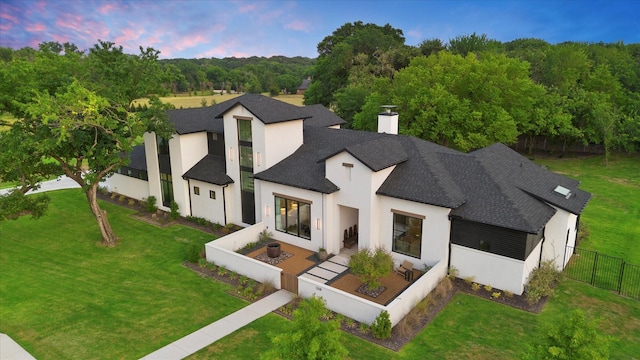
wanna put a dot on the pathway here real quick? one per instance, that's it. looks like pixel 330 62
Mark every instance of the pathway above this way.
pixel 10 350
pixel 62 182
pixel 209 334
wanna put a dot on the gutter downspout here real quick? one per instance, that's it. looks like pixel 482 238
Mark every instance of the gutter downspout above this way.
pixel 189 192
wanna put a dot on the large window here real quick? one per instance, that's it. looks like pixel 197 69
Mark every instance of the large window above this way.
pixel 293 217
pixel 166 185
pixel 407 234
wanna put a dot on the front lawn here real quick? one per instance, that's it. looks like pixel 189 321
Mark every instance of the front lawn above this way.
pixel 64 296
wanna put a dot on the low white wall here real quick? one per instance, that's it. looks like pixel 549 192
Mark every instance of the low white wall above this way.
pixel 490 269
pixel 128 186
pixel 340 301
pixel 222 253
pixel 420 288
pixel 366 311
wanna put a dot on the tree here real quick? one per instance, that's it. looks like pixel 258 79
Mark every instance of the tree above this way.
pixel 308 337
pixel 574 338
pixel 82 119
pixel 370 265
pixel 465 44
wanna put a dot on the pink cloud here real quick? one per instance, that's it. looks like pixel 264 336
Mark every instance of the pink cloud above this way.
pixel 128 35
pixel 190 41
pixel 36 27
pixel 298 25
pixel 9 17
pixel 5 27
pixel 73 22
pixel 107 8
pixel 245 8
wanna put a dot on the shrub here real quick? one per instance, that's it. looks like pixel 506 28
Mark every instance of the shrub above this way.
pixel 496 295
pixel 475 286
pixel 443 288
pixel 469 279
pixel 193 253
pixel 216 226
pixel 222 271
pixel 266 287
pixel 453 273
pixel 349 323
pixel 264 236
pixel 370 266
pixel 114 195
pixel 151 204
pixel 488 287
pixel 381 326
pixel 131 202
pixel 122 198
pixel 508 293
pixel 541 281
pixel 174 214
pixel 364 328
pixel 574 338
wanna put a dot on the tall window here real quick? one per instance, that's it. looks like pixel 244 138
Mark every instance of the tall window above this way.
pixel 166 185
pixel 293 217
pixel 245 149
pixel 407 235
pixel 163 146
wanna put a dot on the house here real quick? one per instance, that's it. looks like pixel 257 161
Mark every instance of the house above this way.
pixel 262 163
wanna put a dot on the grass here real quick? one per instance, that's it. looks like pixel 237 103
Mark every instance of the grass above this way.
pixel 613 214
pixel 184 101
pixel 64 296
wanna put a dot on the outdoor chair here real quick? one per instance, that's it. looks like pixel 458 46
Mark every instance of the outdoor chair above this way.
pixel 406 269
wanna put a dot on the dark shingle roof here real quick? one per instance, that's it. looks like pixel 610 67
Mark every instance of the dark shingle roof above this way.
pixel 266 109
pixel 187 121
pixel 321 116
pixel 211 169
pixel 137 158
pixel 304 85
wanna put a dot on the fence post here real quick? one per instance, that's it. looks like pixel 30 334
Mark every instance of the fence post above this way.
pixel 620 277
pixel 595 267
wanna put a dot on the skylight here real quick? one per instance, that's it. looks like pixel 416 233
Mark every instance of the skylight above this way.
pixel 563 191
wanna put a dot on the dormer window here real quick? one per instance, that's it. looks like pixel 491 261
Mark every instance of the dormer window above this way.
pixel 561 190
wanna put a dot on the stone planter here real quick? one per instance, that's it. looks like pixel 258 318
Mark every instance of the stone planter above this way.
pixel 273 250
pixel 323 255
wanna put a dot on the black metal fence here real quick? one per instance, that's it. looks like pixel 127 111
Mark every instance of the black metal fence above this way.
pixel 603 271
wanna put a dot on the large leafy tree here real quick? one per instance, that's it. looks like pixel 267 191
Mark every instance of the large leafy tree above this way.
pixel 78 115
pixel 338 51
pixel 463 102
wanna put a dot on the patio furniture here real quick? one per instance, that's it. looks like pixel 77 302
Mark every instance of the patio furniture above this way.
pixel 406 269
pixel 350 238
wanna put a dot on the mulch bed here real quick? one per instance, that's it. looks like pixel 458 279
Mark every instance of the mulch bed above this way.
pixel 275 260
pixel 374 293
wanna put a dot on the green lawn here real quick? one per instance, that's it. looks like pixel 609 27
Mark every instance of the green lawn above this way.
pixel 613 214
pixel 64 296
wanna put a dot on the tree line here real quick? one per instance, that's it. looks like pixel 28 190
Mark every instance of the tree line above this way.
pixel 472 91
pixel 274 75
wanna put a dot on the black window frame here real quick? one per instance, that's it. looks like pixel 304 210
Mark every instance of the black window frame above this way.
pixel 292 209
pixel 401 241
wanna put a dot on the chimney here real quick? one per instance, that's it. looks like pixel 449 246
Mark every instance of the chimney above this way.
pixel 388 120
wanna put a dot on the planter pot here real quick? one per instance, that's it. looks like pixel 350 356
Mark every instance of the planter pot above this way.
pixel 323 255
pixel 273 250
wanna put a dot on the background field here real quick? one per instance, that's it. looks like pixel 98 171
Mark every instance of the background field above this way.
pixel 184 101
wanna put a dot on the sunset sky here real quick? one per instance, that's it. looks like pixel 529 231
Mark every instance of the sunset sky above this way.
pixel 206 28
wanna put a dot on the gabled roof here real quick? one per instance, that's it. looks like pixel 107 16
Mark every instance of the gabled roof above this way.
pixel 266 109
pixel 494 185
pixel 321 116
pixel 138 158
pixel 187 121
pixel 304 85
pixel 211 169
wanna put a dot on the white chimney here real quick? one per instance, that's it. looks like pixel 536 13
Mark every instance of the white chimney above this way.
pixel 388 120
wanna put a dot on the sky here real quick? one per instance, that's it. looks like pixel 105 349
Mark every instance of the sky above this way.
pixel 217 28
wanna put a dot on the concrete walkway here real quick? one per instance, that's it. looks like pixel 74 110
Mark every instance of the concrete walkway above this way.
pixel 62 182
pixel 10 350
pixel 209 334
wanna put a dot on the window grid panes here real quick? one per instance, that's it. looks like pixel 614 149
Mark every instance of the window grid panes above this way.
pixel 293 217
pixel 196 190
pixel 212 194
pixel 407 235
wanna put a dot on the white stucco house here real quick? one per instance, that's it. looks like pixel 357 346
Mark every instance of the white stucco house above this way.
pixel 253 160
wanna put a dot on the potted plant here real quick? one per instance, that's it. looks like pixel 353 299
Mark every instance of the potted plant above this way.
pixel 322 254
pixel 273 250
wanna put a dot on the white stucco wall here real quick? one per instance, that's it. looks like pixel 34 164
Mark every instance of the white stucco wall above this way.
pixel 555 233
pixel 205 207
pixel 358 185
pixel 128 186
pixel 153 168
pixel 436 229
pixel 269 214
pixel 490 269
pixel 185 151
